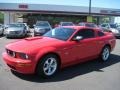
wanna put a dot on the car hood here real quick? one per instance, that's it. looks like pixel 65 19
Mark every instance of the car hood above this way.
pixel 28 45
pixel 14 29
pixel 42 27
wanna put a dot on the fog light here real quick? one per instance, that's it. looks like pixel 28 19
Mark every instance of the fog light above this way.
pixel 22 65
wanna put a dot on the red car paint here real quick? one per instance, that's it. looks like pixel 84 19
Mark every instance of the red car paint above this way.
pixel 70 52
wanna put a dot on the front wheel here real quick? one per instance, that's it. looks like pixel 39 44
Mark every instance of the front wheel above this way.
pixel 105 53
pixel 48 66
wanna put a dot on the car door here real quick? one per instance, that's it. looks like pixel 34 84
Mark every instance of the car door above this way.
pixel 87 47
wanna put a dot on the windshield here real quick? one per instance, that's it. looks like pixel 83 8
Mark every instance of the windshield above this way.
pixel 113 25
pixel 67 24
pixel 16 25
pixel 44 24
pixel 60 33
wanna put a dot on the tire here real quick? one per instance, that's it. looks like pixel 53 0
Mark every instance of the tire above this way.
pixel 104 56
pixel 48 66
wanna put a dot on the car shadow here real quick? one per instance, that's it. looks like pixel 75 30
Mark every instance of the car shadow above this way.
pixel 27 36
pixel 72 71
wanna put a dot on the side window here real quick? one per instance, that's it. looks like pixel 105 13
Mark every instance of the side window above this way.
pixel 104 25
pixel 86 33
pixel 100 33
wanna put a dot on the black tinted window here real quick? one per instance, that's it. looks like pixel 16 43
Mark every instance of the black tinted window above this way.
pixel 86 33
pixel 100 33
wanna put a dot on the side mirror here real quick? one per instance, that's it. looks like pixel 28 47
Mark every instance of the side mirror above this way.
pixel 77 38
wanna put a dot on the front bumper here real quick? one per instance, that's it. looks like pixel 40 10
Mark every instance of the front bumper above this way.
pixel 15 34
pixel 19 65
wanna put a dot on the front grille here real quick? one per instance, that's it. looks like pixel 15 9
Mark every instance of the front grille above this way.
pixel 10 52
pixel 15 32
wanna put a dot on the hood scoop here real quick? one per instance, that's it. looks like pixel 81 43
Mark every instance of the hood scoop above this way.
pixel 33 38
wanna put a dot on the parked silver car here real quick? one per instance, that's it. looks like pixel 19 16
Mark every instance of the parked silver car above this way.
pixel 41 27
pixel 111 28
pixel 15 30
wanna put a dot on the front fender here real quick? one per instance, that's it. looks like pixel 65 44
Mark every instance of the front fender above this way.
pixel 44 51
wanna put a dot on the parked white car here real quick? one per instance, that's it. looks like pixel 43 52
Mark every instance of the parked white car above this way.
pixel 111 28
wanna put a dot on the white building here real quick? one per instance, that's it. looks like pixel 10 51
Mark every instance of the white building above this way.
pixel 13 10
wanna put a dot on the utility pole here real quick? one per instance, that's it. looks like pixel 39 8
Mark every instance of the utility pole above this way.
pixel 89 7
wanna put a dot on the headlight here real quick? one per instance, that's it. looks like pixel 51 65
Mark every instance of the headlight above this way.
pixel 37 29
pixel 6 32
pixel 11 53
pixel 22 55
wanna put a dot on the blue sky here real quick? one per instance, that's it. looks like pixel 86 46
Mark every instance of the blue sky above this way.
pixel 95 3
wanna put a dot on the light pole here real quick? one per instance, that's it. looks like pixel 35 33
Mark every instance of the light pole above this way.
pixel 89 7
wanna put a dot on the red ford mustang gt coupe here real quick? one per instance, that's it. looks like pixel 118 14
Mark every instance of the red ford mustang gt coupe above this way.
pixel 58 48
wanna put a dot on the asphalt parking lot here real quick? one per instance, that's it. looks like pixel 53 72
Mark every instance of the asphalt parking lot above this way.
pixel 92 75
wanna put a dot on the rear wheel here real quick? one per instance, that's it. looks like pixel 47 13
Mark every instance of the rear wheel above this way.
pixel 105 53
pixel 48 66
